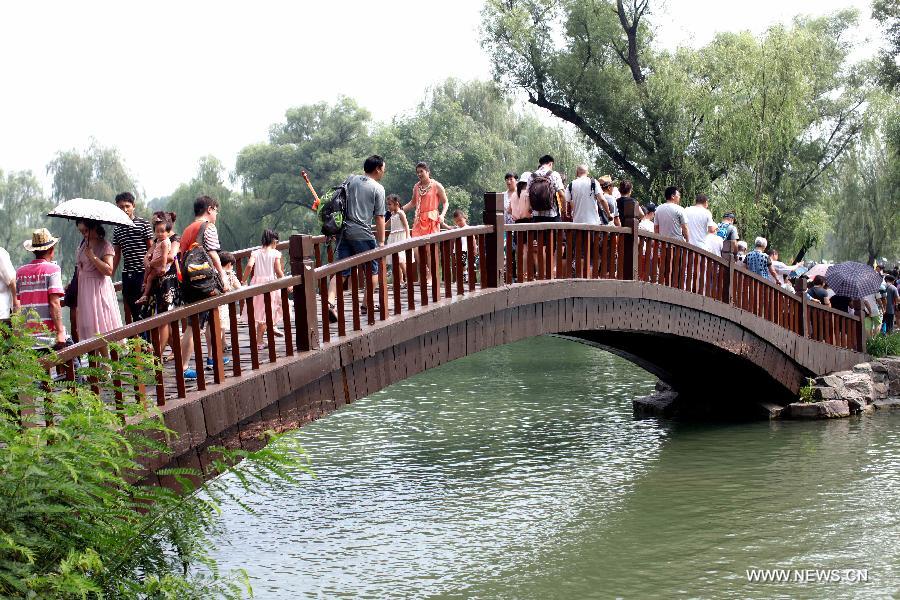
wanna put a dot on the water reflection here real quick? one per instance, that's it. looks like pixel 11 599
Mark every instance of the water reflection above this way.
pixel 520 473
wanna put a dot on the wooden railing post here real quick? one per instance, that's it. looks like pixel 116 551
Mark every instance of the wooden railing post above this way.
pixel 804 308
pixel 728 250
pixel 301 250
pixel 630 260
pixel 494 259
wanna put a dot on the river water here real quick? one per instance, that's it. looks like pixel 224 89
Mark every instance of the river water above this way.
pixel 520 473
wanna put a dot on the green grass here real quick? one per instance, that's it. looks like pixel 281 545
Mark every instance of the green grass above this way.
pixel 884 345
pixel 806 392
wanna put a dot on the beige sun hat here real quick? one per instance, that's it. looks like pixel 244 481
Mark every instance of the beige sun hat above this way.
pixel 41 239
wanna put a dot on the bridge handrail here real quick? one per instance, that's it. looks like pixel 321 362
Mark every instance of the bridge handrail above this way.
pixel 410 244
pixel 564 226
pixel 186 311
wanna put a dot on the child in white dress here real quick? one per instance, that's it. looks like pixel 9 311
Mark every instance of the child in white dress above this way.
pixel 399 231
pixel 265 263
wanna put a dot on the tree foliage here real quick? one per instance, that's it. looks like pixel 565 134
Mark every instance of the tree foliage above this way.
pixel 24 208
pixel 210 181
pixel 97 172
pixel 887 14
pixel 865 192
pixel 73 522
pixel 756 120
pixel 469 132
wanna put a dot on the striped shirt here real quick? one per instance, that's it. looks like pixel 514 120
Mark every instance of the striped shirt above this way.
pixel 132 241
pixel 34 284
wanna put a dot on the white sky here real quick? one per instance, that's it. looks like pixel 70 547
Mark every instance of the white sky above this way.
pixel 168 82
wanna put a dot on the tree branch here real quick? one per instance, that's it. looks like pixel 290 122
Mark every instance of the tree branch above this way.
pixel 568 114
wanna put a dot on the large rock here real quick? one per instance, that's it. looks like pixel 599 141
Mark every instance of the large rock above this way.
pixel 831 380
pixel 826 409
pixel 662 404
pixel 887 403
pixel 771 410
pixel 827 393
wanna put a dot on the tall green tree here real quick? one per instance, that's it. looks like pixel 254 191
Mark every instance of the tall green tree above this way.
pixel 328 141
pixel 471 135
pixel 23 207
pixel 96 172
pixel 235 231
pixel 757 120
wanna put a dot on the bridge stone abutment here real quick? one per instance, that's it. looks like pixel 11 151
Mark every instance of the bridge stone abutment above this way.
pixel 690 341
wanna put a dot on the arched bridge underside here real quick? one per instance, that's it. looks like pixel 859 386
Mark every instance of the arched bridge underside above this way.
pixel 686 339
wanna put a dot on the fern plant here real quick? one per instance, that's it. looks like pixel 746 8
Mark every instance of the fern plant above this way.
pixel 73 521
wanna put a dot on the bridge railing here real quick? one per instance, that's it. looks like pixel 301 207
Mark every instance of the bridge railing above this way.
pixel 440 268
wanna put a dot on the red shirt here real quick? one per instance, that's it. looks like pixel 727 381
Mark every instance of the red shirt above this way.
pixel 35 282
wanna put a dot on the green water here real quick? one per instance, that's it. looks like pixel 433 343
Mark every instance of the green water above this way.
pixel 521 473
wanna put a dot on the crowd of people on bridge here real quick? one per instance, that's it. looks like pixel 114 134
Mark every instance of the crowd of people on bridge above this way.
pixel 150 252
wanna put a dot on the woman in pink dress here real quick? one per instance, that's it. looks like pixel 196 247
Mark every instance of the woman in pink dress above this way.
pixel 98 308
pixel 265 263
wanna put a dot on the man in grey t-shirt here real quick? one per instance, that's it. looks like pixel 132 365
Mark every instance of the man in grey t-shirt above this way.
pixel 365 200
pixel 670 220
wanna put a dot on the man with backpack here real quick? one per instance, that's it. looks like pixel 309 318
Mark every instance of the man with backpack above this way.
pixel 545 192
pixel 726 229
pixel 201 272
pixel 364 199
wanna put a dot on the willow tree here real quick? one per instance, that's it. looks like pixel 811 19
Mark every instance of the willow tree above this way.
pixel 865 193
pixel 328 141
pixel 471 134
pixel 23 207
pixel 756 120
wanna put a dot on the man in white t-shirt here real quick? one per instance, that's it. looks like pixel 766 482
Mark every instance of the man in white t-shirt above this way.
pixel 699 221
pixel 582 198
pixel 669 220
pixel 8 297
pixel 511 179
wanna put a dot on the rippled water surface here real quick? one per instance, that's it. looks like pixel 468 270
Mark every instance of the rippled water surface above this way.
pixel 520 473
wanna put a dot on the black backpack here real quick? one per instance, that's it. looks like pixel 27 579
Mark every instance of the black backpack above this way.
pixel 199 278
pixel 540 193
pixel 331 211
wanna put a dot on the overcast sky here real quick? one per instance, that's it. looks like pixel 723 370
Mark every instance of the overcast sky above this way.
pixel 168 82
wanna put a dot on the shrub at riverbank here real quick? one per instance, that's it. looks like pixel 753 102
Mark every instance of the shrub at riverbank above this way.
pixel 884 345
pixel 72 522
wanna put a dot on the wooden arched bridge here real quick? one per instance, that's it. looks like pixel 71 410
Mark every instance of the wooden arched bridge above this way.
pixel 694 319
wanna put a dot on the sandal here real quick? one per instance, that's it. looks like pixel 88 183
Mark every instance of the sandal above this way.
pixel 332 312
pixel 262 346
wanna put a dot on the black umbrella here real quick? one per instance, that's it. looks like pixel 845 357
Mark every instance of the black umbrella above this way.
pixel 853 279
